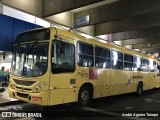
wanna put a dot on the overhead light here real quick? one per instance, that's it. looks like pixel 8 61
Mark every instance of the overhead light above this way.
pixel 10 56
pixel 143 52
pixel 137 49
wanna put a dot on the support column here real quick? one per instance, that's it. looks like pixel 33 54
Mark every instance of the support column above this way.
pixel 109 38
pixel 1 8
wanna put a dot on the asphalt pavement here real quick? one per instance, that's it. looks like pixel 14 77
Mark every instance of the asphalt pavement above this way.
pixel 120 107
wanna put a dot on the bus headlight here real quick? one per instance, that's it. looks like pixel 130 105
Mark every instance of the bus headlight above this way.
pixel 39 87
pixel 37 90
pixel 12 86
pixel 42 85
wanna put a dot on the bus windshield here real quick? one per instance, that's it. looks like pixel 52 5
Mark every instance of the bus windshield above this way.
pixel 30 59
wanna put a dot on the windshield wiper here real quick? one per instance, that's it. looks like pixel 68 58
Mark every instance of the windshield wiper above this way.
pixel 27 52
pixel 17 50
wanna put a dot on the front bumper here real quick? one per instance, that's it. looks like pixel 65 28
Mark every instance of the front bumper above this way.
pixel 41 98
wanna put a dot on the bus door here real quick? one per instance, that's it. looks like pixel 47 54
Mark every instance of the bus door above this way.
pixel 62 78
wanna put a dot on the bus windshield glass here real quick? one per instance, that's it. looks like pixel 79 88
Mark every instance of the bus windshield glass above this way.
pixel 30 59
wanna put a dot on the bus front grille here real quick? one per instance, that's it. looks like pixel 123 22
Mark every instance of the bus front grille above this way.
pixel 22 95
pixel 23 89
pixel 25 83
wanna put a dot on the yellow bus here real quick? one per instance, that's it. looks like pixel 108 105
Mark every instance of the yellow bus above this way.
pixel 51 66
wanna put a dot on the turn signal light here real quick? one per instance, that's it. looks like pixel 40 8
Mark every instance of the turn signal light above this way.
pixel 39 99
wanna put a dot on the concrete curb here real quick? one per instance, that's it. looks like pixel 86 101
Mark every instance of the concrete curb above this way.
pixel 11 103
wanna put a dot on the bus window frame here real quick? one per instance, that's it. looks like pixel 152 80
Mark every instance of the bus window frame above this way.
pixel 154 63
pixel 143 70
pixel 128 62
pixel 134 63
pixel 51 51
pixel 102 57
pixel 117 60
pixel 77 54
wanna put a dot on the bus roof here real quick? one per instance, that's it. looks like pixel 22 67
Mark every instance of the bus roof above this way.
pixel 75 36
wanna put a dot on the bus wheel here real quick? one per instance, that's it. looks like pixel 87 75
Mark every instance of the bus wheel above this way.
pixel 139 89
pixel 84 96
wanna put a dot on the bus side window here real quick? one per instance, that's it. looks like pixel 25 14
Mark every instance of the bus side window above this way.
pixel 116 60
pixel 144 65
pixel 85 54
pixel 128 62
pixel 152 65
pixel 102 57
pixel 63 57
pixel 136 63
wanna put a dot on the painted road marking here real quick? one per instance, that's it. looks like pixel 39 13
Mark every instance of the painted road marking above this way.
pixel 2 108
pixel 128 108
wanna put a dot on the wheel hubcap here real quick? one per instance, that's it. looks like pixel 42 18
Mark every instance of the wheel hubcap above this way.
pixel 85 96
pixel 140 90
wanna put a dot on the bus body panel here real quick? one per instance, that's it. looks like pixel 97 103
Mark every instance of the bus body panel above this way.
pixel 115 82
pixel 122 82
pixel 157 83
pixel 62 88
pixel 105 77
pixel 151 80
pixel 126 84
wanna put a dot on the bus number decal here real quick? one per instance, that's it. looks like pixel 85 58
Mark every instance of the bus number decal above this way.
pixel 82 74
pixel 137 77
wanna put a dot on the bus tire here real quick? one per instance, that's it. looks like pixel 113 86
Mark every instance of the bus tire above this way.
pixel 140 89
pixel 84 96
